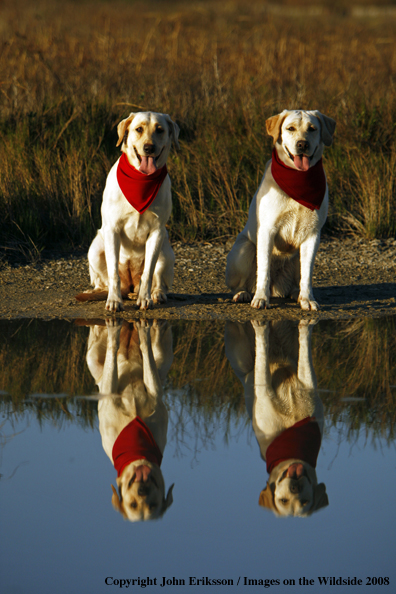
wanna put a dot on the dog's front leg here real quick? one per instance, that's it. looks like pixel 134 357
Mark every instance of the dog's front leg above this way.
pixel 162 347
pixel 152 250
pixel 109 381
pixel 308 251
pixel 262 373
pixel 151 377
pixel 265 244
pixel 157 419
pixel 305 370
pixel 264 393
pixel 112 251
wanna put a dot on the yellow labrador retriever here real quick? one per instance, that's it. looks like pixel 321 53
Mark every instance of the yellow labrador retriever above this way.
pixel 131 252
pixel 274 364
pixel 282 234
pixel 126 361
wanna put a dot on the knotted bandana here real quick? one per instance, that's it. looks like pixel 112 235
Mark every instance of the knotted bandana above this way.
pixel 300 442
pixel 139 188
pixel 306 187
pixel 135 442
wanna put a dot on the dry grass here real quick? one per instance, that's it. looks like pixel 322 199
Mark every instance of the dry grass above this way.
pixel 70 71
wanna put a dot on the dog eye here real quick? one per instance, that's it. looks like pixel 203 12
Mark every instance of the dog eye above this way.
pixel 304 501
pixel 291 129
pixel 311 129
pixel 139 129
pixel 133 505
pixel 284 501
pixel 159 130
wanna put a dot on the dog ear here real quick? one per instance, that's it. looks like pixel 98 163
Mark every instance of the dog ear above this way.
pixel 169 499
pixel 274 124
pixel 174 130
pixel 122 127
pixel 117 502
pixel 266 498
pixel 320 497
pixel 328 126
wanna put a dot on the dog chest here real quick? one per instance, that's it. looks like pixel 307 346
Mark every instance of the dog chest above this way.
pixel 136 229
pixel 293 231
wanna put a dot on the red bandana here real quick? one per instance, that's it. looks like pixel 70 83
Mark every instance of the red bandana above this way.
pixel 305 187
pixel 135 442
pixel 301 441
pixel 138 188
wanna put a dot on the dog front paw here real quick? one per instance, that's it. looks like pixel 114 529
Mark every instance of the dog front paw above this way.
pixel 158 297
pixel 242 297
pixel 260 327
pixel 307 324
pixel 308 304
pixel 113 324
pixel 260 301
pixel 114 305
pixel 143 326
pixel 145 303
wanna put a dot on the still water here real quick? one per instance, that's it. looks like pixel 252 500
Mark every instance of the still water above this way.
pixel 315 404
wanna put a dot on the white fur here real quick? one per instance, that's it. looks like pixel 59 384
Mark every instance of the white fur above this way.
pixel 129 371
pixel 129 242
pixel 280 387
pixel 278 244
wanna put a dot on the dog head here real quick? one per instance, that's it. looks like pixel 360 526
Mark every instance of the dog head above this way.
pixel 300 137
pixel 141 492
pixel 146 138
pixel 292 490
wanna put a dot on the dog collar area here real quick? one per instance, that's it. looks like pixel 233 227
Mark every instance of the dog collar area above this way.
pixel 139 189
pixel 308 188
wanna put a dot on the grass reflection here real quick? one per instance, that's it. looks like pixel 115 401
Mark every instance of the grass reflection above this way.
pixel 355 364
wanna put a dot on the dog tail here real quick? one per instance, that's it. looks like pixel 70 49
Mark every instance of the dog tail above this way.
pixel 90 322
pixel 102 295
pixel 92 296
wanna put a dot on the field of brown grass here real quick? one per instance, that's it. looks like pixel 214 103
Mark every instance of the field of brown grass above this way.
pixel 69 71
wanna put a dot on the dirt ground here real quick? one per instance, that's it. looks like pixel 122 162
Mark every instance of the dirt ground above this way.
pixel 352 278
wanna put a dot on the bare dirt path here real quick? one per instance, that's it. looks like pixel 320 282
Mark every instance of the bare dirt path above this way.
pixel 352 278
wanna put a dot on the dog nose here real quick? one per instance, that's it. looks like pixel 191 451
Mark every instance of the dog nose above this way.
pixel 149 149
pixel 143 490
pixel 294 487
pixel 303 145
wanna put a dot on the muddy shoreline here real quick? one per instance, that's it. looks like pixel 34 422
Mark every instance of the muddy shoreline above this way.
pixel 352 278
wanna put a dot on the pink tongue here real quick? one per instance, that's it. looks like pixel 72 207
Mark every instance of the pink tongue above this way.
pixel 302 163
pixel 295 471
pixel 142 473
pixel 147 165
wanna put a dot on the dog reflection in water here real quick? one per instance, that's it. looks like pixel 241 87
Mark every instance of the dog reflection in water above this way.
pixel 129 363
pixel 274 363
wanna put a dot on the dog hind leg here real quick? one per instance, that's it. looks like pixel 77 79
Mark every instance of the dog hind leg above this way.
pixel 163 273
pixel 97 264
pixel 97 272
pixel 241 269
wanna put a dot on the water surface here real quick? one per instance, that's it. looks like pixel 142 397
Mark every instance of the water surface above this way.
pixel 60 530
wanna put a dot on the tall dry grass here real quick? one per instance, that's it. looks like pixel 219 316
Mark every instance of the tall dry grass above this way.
pixel 70 71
